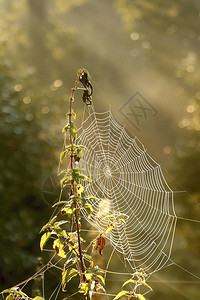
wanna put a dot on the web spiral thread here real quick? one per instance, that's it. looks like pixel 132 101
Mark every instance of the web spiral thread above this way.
pixel 129 181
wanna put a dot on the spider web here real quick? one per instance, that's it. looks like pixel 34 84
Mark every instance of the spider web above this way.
pixel 131 182
pixel 128 181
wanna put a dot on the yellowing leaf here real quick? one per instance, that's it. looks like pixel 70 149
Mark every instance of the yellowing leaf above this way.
pixel 79 189
pixel 68 210
pixel 129 281
pixel 9 297
pixel 145 284
pixel 101 279
pixel 58 246
pixel 84 288
pixel 88 276
pixel 123 221
pixel 110 227
pixel 50 223
pixel 89 258
pixel 79 153
pixel 107 217
pixel 38 298
pixel 140 297
pixel 74 115
pixel 5 291
pixel 64 181
pixel 89 209
pixel 67 276
pixel 59 203
pixel 83 177
pixel 62 156
pixel 120 294
pixel 45 237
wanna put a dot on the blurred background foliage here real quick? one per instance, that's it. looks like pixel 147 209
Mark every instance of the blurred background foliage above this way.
pixel 127 46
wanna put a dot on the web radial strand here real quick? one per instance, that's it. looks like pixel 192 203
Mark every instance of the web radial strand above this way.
pixel 128 180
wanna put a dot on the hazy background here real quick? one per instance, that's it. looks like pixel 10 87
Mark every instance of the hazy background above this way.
pixel 128 47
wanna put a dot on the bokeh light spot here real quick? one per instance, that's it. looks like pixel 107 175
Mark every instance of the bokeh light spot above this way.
pixel 57 83
pixel 146 45
pixel 184 123
pixel 18 87
pixel 190 68
pixel 134 36
pixel 45 110
pixel 29 117
pixel 27 100
pixel 167 150
pixel 190 108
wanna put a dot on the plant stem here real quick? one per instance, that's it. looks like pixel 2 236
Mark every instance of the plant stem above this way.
pixel 133 291
pixel 82 266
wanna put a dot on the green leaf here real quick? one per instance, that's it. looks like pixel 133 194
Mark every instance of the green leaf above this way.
pixel 10 297
pixel 59 203
pixel 62 156
pixel 59 231
pixel 120 294
pixel 72 236
pixel 61 223
pixel 64 181
pixel 129 281
pixel 83 199
pixel 75 175
pixel 45 237
pixel 15 291
pixel 51 222
pixel 89 258
pixel 21 293
pixel 89 209
pixel 67 276
pixel 83 177
pixel 38 298
pixel 5 291
pixel 94 270
pixel 71 128
pixel 79 153
pixel 140 297
pixel 66 172
pixel 83 147
pixel 101 279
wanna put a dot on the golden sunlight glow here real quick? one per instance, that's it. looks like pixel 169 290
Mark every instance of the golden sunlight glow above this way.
pixel 103 208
